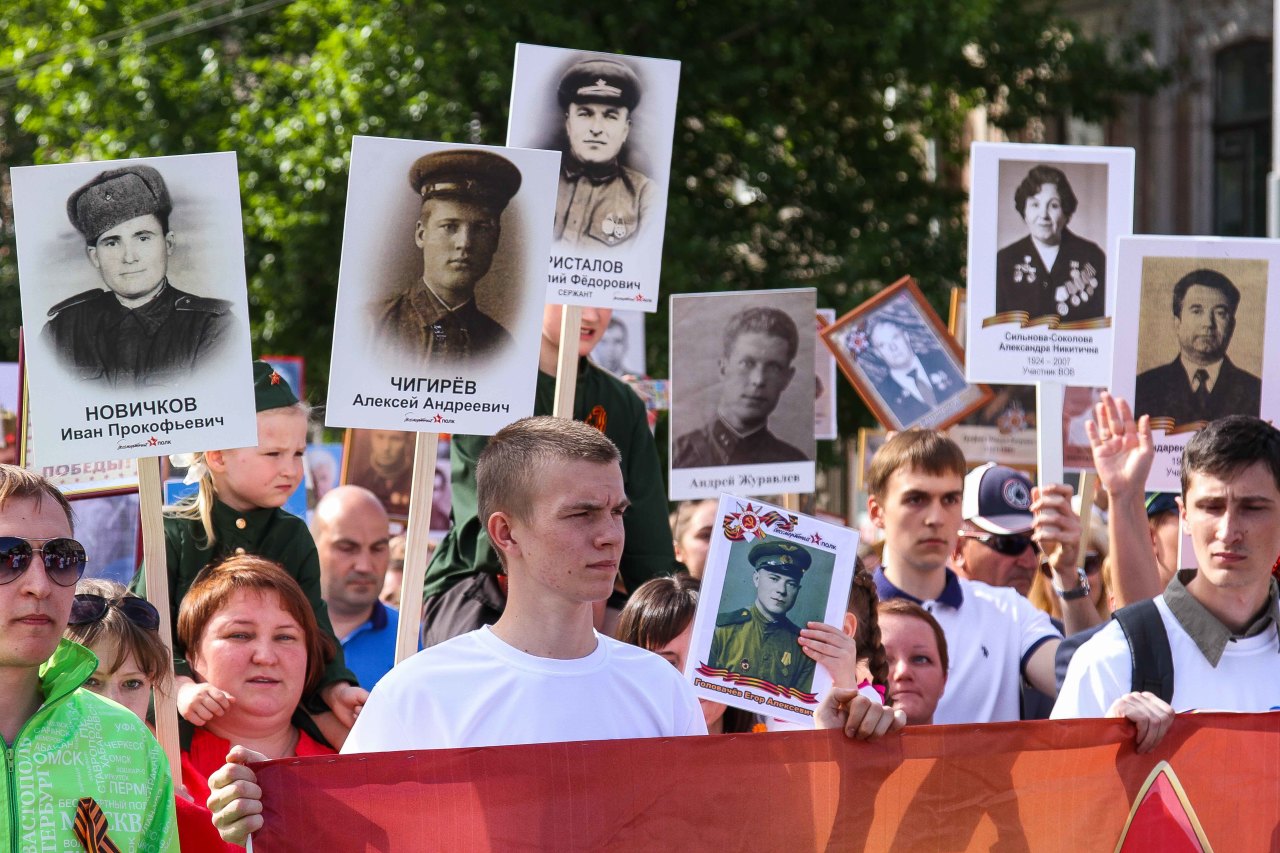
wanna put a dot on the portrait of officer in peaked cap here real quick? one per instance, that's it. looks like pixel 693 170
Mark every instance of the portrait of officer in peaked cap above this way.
pixel 142 330
pixel 602 202
pixel 435 317
pixel 760 641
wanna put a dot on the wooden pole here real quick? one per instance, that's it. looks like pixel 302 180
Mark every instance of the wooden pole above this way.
pixel 1088 485
pixel 156 575
pixel 567 364
pixel 1049 432
pixel 415 546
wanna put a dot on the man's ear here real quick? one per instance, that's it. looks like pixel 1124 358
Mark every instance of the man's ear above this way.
pixel 169 242
pixel 92 252
pixel 791 374
pixel 875 511
pixel 502 534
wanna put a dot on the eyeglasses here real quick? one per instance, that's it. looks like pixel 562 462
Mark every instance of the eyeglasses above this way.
pixel 89 607
pixel 1009 544
pixel 64 559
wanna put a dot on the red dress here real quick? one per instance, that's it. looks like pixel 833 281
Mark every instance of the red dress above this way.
pixel 207 753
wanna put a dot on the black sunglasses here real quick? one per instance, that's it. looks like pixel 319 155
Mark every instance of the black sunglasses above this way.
pixel 64 559
pixel 1009 544
pixel 89 608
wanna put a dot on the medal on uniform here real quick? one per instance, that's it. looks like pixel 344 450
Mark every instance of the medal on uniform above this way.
pixel 745 665
pixel 786 658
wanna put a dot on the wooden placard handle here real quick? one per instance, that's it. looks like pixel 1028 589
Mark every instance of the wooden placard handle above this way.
pixel 1049 432
pixel 156 573
pixel 567 363
pixel 1088 483
pixel 416 551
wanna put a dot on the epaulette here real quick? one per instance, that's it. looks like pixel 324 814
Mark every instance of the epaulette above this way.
pixel 78 299
pixel 737 617
pixel 201 303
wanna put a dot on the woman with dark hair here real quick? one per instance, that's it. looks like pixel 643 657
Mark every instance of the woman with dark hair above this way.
pixel 659 617
pixel 1051 272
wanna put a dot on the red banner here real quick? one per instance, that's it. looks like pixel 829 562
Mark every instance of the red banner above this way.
pixel 1214 783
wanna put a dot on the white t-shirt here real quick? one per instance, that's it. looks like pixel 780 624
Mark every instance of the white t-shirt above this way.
pixel 990 636
pixel 475 690
pixel 1247 677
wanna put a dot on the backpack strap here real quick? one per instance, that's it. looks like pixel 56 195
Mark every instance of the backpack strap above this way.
pixel 1148 648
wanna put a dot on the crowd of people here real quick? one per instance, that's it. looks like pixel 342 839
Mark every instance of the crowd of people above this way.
pixel 564 583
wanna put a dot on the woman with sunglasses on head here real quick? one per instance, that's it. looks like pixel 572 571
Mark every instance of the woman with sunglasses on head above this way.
pixel 122 630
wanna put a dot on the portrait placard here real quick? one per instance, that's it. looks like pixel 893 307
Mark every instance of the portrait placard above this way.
pixel 621 347
pixel 1077 410
pixel 134 305
pixel 440 287
pixel 1043 221
pixel 1198 337
pixel 380 460
pixel 613 117
pixel 769 572
pixel 824 378
pixel 902 362
pixel 741 399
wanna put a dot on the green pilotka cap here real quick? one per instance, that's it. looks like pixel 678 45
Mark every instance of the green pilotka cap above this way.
pixel 270 390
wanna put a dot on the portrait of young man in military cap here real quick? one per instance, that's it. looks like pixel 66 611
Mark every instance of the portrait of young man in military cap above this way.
pixel 760 640
pixel 142 329
pixel 459 225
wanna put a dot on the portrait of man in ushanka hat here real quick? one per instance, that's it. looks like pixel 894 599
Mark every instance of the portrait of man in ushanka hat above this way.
pixel 142 329
pixel 760 641
pixel 602 203
pixel 464 194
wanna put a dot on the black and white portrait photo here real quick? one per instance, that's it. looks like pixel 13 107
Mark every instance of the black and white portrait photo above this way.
pixel 621 347
pixel 742 367
pixel 1050 270
pixel 1197 337
pixel 902 362
pixel 133 290
pixel 612 118
pixel 1041 276
pixel 442 278
pixel 1197 379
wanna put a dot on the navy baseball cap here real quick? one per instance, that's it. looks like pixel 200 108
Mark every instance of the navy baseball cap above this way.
pixel 1159 503
pixel 997 499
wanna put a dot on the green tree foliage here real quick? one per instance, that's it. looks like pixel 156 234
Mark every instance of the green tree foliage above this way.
pixel 808 138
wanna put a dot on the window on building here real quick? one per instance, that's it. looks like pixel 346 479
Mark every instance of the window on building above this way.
pixel 1241 139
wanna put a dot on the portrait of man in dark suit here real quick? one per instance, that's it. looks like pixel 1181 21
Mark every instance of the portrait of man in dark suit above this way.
pixel 1201 383
pixel 435 318
pixel 141 330
pixel 1052 271
pixel 916 379
pixel 760 345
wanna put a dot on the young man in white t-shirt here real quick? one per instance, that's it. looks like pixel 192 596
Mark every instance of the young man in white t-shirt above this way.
pixel 1222 621
pixel 994 635
pixel 551 491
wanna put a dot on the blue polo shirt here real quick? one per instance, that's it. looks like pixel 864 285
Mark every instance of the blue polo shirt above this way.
pixel 370 650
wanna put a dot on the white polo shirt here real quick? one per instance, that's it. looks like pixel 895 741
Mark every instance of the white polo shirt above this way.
pixel 991 634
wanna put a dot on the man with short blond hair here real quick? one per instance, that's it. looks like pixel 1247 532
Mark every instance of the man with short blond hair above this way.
pixel 95 764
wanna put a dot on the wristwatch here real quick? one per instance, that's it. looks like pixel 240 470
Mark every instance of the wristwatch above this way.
pixel 1082 591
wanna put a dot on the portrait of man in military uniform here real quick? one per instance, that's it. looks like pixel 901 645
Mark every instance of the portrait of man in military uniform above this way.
pixel 601 203
pixel 760 641
pixel 459 226
pixel 755 366
pixel 142 330
pixel 916 378
pixel 381 460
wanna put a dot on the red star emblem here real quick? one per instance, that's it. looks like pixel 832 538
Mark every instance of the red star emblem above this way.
pixel 275 378
pixel 438 418
pixel 639 297
pixel 152 442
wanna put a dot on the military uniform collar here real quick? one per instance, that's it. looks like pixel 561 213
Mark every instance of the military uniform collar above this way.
pixel 952 593
pixel 726 437
pixel 782 623
pixel 152 314
pixel 431 309
pixel 1210 635
pixel 596 173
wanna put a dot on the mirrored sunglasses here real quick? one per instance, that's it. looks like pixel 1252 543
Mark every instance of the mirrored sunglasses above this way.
pixel 64 559
pixel 89 607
